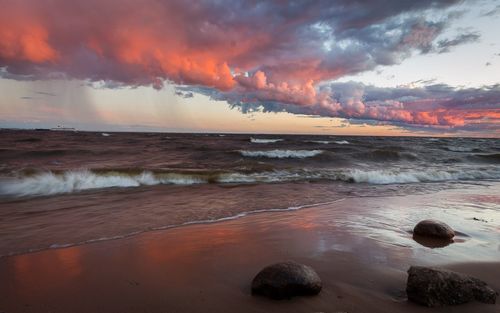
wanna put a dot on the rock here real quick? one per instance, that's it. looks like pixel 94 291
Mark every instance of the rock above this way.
pixel 285 280
pixel 433 228
pixel 438 287
pixel 432 242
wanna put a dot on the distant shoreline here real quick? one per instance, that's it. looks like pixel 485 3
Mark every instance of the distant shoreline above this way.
pixel 241 133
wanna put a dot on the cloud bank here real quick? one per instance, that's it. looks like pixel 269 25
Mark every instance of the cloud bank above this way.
pixel 438 105
pixel 278 55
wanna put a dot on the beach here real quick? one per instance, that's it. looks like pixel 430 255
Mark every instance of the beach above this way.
pixel 170 156
pixel 145 222
pixel 361 247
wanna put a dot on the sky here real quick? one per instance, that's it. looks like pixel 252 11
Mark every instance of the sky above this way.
pixel 337 67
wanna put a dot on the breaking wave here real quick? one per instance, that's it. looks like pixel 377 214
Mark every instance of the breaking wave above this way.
pixel 281 154
pixel 49 183
pixel 414 176
pixel 323 142
pixel 263 140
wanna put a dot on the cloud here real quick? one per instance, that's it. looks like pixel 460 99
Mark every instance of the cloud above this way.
pixel 183 94
pixel 492 12
pixel 44 93
pixel 211 43
pixel 257 55
pixel 446 44
pixel 437 105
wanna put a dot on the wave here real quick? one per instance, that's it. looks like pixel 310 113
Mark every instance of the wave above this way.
pixel 493 158
pixel 195 222
pixel 383 177
pixel 462 149
pixel 323 142
pixel 263 140
pixel 50 183
pixel 387 155
pixel 54 153
pixel 281 154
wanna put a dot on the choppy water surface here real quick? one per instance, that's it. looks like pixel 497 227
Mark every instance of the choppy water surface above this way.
pixel 59 188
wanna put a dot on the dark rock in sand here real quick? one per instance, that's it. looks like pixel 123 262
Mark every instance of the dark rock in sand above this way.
pixel 285 280
pixel 433 228
pixel 432 242
pixel 437 287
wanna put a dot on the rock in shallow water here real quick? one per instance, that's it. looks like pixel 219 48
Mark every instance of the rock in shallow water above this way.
pixel 433 228
pixel 285 280
pixel 437 287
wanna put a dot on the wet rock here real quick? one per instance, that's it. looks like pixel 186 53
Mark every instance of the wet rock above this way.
pixel 438 287
pixel 433 228
pixel 286 280
pixel 431 242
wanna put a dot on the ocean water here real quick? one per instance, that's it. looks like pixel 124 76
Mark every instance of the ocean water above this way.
pixel 64 188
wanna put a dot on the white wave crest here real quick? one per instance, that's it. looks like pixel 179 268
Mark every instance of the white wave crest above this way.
pixel 460 149
pixel 263 140
pixel 323 142
pixel 281 154
pixel 342 142
pixel 412 176
pixel 49 183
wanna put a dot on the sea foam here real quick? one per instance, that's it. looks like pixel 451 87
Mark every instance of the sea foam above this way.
pixel 263 140
pixel 49 183
pixel 413 176
pixel 281 154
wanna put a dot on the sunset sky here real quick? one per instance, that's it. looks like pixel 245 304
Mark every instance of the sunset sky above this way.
pixel 324 67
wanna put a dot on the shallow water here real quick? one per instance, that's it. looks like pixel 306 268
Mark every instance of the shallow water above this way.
pixel 65 188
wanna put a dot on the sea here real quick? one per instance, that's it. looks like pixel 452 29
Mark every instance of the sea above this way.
pixel 64 188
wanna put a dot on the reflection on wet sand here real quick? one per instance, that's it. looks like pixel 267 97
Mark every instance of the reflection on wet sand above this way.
pixel 359 246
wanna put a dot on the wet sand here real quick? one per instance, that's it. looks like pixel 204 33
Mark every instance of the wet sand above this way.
pixel 360 247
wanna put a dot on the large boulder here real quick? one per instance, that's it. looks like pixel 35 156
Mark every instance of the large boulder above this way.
pixel 438 287
pixel 434 229
pixel 285 280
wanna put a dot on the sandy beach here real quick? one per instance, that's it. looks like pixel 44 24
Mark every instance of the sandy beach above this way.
pixel 222 156
pixel 361 248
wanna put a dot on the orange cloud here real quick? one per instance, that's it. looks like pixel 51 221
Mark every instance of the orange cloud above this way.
pixel 28 42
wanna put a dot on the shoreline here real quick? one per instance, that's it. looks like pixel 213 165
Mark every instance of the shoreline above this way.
pixel 361 258
pixel 168 227
pixel 56 216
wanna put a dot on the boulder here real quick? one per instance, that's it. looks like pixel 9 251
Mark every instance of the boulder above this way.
pixel 434 229
pixel 432 242
pixel 285 280
pixel 437 287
